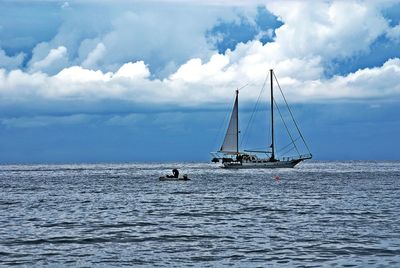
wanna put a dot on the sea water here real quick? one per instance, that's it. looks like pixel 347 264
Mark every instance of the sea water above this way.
pixel 317 214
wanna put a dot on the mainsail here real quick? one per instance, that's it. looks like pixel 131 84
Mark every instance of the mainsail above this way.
pixel 229 152
pixel 231 141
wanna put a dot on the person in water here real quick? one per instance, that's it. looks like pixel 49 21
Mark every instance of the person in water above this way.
pixel 175 174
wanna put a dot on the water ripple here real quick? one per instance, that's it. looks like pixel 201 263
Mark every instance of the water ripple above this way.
pixel 321 214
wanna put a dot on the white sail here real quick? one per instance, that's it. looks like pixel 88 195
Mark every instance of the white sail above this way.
pixel 229 152
pixel 230 144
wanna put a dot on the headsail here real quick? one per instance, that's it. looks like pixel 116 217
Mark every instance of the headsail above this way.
pixel 231 141
pixel 229 151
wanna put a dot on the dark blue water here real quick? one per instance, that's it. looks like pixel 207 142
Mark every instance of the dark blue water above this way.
pixel 318 214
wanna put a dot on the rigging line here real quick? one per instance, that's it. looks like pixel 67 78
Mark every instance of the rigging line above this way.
pixel 254 110
pixel 291 114
pixel 287 145
pixel 287 129
pixel 243 87
pixel 290 149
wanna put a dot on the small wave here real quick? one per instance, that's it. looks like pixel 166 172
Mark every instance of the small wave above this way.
pixel 60 224
pixel 125 224
pixel 182 192
pixel 114 239
pixel 9 203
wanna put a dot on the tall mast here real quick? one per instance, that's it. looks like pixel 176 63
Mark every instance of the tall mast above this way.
pixel 237 122
pixel 271 74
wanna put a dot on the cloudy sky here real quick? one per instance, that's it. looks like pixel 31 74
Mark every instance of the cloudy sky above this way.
pixel 124 81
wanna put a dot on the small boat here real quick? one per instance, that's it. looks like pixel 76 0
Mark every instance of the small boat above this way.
pixel 231 157
pixel 175 176
pixel 169 178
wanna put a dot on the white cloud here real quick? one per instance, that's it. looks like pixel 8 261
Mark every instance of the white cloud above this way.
pixel 326 29
pixel 96 55
pixel 133 70
pixel 369 83
pixel 196 83
pixel 11 62
pixel 161 36
pixel 194 71
pixel 105 36
pixel 77 74
pixel 311 35
pixel 19 86
pixel 54 60
pixel 394 33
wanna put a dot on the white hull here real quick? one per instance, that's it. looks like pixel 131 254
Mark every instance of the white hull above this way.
pixel 263 164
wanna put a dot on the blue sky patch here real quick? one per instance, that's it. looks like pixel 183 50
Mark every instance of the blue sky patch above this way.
pixel 226 35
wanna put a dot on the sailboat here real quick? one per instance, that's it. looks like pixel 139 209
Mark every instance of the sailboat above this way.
pixel 230 155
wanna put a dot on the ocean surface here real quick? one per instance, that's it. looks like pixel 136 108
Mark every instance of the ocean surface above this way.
pixel 320 214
